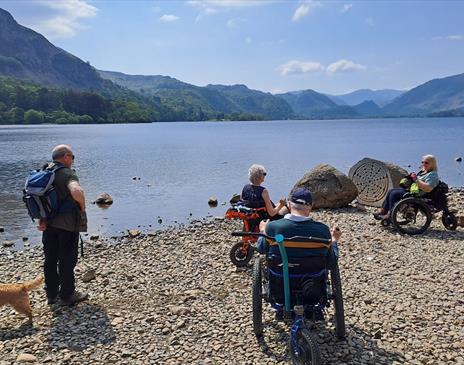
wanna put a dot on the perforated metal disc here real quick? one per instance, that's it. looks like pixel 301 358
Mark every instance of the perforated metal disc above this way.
pixel 372 179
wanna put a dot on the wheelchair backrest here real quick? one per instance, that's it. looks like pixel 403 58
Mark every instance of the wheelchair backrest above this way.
pixel 438 196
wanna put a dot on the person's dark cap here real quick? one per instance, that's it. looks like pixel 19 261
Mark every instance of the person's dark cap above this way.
pixel 301 196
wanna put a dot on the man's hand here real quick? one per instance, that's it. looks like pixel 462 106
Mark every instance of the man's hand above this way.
pixel 262 225
pixel 413 176
pixel 336 233
pixel 283 202
pixel 42 226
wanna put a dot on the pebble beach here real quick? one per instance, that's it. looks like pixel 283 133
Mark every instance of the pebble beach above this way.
pixel 173 297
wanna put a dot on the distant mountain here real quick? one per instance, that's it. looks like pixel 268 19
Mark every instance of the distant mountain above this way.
pixel 380 97
pixel 28 55
pixel 368 109
pixel 438 95
pixel 212 101
pixel 313 105
pixel 254 101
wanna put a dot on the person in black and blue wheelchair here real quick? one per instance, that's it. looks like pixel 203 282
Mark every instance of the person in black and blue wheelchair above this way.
pixel 293 275
pixel 410 208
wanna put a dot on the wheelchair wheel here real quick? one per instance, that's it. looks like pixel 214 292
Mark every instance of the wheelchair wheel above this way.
pixel 240 256
pixel 257 297
pixel 449 220
pixel 304 349
pixel 338 302
pixel 411 216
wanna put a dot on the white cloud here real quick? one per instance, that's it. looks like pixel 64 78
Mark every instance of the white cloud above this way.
pixel 453 37
pixel 346 8
pixel 299 67
pixel 227 3
pixel 235 22
pixel 369 21
pixel 304 9
pixel 210 7
pixel 344 66
pixel 248 40
pixel 66 21
pixel 169 18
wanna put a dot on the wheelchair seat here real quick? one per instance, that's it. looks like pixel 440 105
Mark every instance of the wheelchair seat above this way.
pixel 436 199
pixel 307 279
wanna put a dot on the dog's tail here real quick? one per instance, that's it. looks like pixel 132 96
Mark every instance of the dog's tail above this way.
pixel 33 284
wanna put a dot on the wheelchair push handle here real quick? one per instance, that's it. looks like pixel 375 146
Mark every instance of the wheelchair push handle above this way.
pixel 281 238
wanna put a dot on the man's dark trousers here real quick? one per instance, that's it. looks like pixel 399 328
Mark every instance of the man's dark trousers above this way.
pixel 61 252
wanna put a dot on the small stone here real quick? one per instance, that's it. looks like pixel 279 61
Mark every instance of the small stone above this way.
pixel 89 275
pixel 117 321
pixel 94 237
pixel 458 159
pixel 378 334
pixel 235 199
pixel 177 310
pixel 212 202
pixel 2 229
pixel 8 243
pixel 134 178
pixel 104 199
pixel 26 358
pixel 134 233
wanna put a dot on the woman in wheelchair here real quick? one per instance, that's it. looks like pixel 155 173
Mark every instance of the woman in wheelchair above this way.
pixel 422 183
pixel 256 196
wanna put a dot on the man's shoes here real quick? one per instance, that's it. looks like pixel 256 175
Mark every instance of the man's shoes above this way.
pixel 51 301
pixel 76 297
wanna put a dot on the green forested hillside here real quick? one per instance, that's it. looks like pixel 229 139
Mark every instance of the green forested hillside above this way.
pixel 444 96
pixel 191 102
pixel 27 103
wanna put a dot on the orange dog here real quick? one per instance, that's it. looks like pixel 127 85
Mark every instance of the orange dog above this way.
pixel 17 295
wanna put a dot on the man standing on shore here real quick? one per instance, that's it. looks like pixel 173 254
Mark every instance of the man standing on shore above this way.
pixel 61 234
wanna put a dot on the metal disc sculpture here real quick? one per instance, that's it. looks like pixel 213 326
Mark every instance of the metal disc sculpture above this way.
pixel 373 179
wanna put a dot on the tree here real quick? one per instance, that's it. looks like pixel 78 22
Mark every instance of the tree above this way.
pixel 33 117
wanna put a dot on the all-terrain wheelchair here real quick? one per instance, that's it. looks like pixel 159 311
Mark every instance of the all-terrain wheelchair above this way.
pixel 413 214
pixel 242 252
pixel 299 290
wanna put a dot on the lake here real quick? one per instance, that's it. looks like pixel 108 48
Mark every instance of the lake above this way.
pixel 182 164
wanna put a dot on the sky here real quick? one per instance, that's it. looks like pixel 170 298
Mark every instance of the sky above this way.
pixel 274 46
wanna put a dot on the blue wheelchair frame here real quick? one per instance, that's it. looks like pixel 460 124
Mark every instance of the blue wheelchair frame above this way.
pixel 298 312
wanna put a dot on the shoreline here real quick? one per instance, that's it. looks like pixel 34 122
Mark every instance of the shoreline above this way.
pixel 173 297
pixel 237 121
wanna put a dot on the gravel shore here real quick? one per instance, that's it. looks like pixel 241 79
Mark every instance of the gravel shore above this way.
pixel 173 297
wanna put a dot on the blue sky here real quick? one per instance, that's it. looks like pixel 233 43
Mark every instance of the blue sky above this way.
pixel 276 46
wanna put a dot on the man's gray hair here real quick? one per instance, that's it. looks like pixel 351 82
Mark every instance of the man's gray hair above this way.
pixel 300 207
pixel 255 172
pixel 60 150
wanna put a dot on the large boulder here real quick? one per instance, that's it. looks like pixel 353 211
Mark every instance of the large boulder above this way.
pixel 330 187
pixel 374 178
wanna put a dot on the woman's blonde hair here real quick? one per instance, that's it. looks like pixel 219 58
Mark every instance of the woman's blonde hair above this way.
pixel 432 160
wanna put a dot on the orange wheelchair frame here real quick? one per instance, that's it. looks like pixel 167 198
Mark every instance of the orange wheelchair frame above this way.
pixel 242 252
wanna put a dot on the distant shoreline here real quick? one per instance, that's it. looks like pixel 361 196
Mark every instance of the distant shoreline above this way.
pixel 234 121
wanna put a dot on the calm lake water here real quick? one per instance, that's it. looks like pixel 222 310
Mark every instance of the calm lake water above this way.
pixel 182 164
